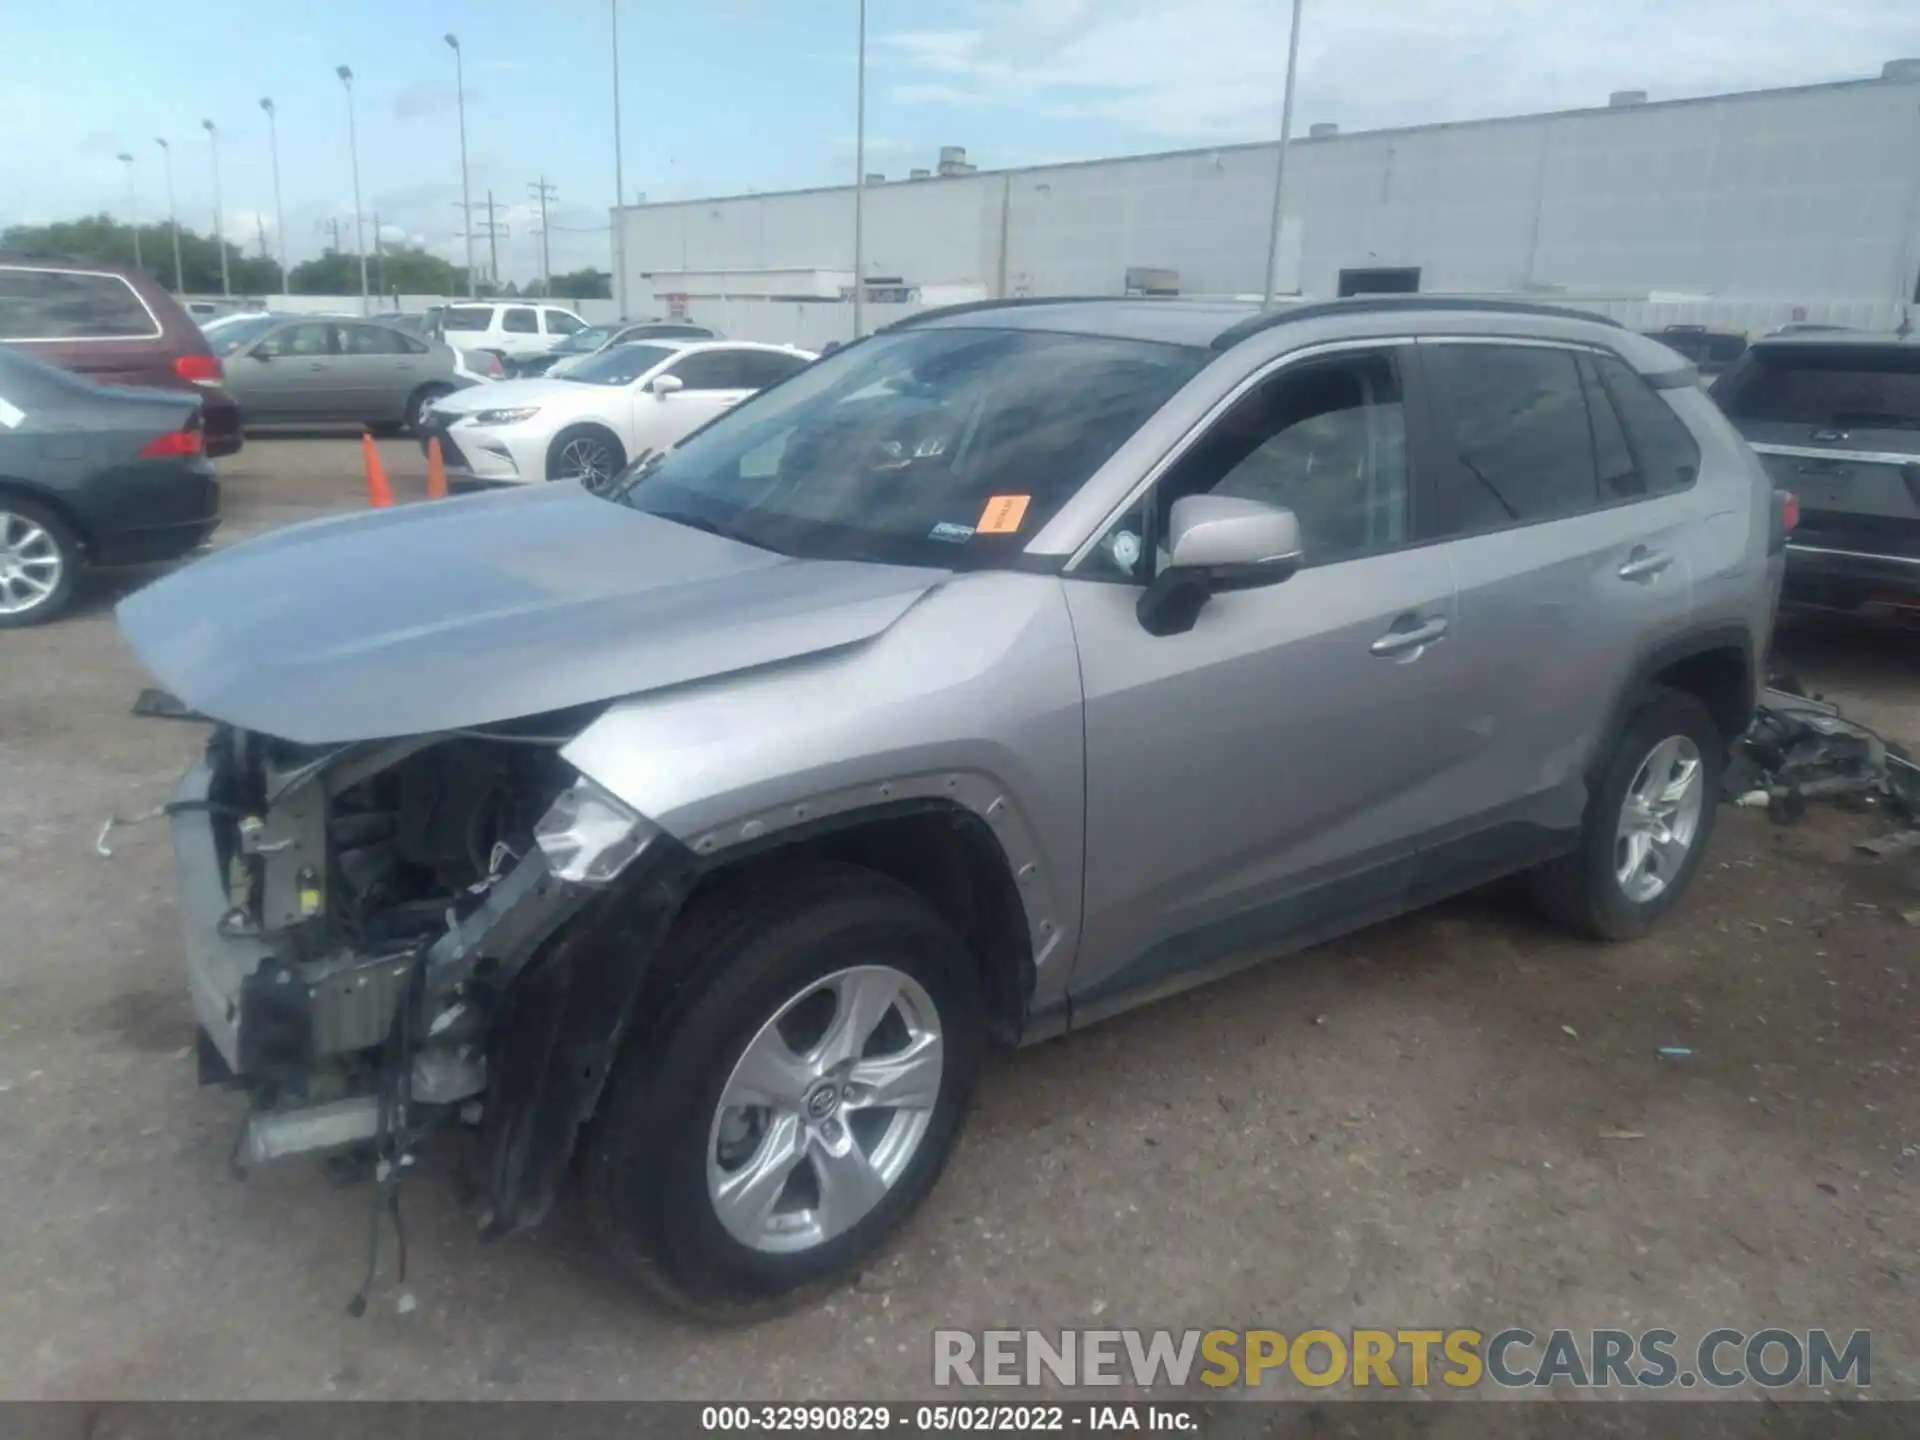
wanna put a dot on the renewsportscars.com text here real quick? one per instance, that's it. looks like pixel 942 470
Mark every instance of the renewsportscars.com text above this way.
pixel 1514 1358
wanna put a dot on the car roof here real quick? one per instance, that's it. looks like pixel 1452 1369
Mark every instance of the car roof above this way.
pixel 1221 325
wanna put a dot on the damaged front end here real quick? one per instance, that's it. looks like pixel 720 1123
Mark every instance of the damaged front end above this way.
pixel 387 937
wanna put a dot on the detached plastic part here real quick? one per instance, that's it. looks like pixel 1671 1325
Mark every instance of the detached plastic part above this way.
pixel 589 836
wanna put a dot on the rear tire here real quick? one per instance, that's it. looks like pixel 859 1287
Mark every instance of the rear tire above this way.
pixel 39 563
pixel 1598 890
pixel 828 945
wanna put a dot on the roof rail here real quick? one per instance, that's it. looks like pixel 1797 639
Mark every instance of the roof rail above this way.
pixel 969 307
pixel 1360 305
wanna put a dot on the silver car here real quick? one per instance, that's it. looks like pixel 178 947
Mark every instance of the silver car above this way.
pixel 995 673
pixel 313 369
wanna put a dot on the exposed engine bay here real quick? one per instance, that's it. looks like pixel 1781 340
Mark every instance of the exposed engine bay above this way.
pixel 360 920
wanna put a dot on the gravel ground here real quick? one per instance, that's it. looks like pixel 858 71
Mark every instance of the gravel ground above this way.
pixel 1411 1127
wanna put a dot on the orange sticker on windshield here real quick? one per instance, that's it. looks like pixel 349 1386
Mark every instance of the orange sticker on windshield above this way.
pixel 1002 515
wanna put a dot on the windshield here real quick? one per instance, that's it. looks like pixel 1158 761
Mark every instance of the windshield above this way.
pixel 947 447
pixel 620 365
pixel 227 336
pixel 585 342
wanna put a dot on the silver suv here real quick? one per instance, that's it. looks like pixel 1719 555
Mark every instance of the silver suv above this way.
pixel 1014 665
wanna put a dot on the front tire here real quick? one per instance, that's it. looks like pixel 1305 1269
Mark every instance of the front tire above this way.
pixel 590 454
pixel 39 563
pixel 1647 824
pixel 798 1101
pixel 417 405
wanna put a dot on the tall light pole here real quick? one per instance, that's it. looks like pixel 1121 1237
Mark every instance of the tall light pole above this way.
pixel 279 214
pixel 173 217
pixel 860 181
pixel 353 149
pixel 219 236
pixel 619 176
pixel 466 198
pixel 133 210
pixel 1280 160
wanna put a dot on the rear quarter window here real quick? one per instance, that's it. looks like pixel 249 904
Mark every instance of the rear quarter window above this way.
pixel 71 305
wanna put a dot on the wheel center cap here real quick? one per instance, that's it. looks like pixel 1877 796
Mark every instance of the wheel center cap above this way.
pixel 823 1102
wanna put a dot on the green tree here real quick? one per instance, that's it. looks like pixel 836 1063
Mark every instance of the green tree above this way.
pixel 404 269
pixel 585 283
pixel 105 240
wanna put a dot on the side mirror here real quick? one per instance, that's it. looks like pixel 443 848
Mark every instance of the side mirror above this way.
pixel 1217 543
pixel 261 352
pixel 665 385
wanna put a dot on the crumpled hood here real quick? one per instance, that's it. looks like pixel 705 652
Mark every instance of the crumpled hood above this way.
pixel 493 607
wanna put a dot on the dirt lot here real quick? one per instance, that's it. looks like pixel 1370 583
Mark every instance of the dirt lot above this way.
pixel 1408 1128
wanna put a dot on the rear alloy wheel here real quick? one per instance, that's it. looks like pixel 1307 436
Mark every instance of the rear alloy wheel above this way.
pixel 799 1099
pixel 588 454
pixel 1648 821
pixel 39 559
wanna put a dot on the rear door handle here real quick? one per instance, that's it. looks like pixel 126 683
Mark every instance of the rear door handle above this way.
pixel 1400 642
pixel 1643 564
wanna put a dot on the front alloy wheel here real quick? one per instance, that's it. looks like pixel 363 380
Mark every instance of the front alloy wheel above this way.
pixel 796 1099
pixel 588 460
pixel 825 1109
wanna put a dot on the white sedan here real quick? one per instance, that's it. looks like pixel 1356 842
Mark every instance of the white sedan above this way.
pixel 587 424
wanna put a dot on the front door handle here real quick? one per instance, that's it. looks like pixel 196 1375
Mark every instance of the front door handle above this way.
pixel 1400 642
pixel 1643 564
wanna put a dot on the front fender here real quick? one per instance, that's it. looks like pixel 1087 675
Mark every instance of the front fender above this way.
pixel 973 697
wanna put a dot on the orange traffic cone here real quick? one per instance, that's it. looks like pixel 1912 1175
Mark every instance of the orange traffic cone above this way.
pixel 436 471
pixel 379 493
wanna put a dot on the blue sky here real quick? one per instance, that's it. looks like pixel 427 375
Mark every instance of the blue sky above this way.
pixel 721 96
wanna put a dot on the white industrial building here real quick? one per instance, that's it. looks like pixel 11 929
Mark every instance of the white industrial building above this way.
pixel 1763 206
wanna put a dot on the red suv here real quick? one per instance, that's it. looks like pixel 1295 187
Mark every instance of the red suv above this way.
pixel 116 327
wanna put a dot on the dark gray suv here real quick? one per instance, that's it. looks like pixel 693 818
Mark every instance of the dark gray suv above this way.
pixel 999 671
pixel 1836 418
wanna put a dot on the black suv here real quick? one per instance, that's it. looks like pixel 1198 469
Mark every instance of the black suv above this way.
pixel 1836 419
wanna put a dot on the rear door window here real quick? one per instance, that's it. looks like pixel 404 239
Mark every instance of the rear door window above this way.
pixel 519 320
pixel 717 370
pixel 71 305
pixel 373 340
pixel 1512 436
pixel 466 317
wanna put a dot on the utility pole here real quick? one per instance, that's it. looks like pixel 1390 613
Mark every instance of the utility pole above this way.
pixel 219 237
pixel 133 209
pixel 173 216
pixel 379 256
pixel 260 226
pixel 619 175
pixel 543 192
pixel 1280 160
pixel 279 211
pixel 353 146
pixel 860 182
pixel 466 196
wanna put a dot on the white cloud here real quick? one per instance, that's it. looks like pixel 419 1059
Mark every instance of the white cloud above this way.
pixel 1212 69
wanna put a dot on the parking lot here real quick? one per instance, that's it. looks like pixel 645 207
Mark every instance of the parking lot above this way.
pixel 1461 1118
